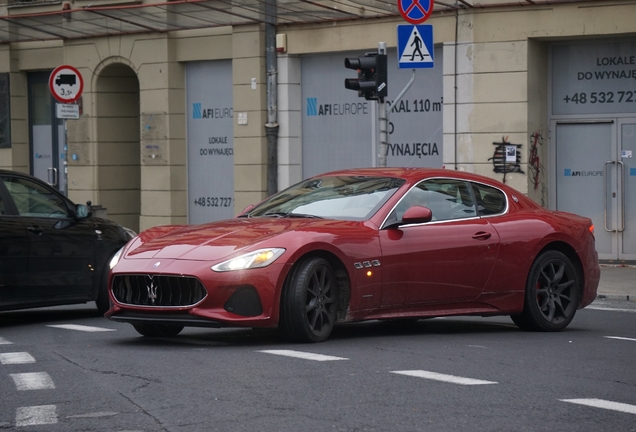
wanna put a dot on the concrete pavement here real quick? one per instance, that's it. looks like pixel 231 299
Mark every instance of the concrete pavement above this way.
pixel 618 282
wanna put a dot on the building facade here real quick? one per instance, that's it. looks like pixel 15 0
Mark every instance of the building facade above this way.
pixel 173 112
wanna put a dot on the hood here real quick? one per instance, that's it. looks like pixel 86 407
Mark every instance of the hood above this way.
pixel 217 240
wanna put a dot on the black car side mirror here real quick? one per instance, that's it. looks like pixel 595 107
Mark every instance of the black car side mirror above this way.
pixel 82 211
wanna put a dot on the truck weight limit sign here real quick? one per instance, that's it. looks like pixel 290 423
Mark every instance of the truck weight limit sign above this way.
pixel 66 84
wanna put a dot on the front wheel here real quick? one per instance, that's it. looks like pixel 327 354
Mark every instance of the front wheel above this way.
pixel 103 300
pixel 158 330
pixel 552 294
pixel 308 303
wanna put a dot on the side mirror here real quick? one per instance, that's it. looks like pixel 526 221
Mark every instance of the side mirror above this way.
pixel 82 211
pixel 248 208
pixel 417 214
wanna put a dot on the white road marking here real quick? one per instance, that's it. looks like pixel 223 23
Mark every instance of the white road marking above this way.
pixel 443 377
pixel 620 338
pixel 4 342
pixel 81 328
pixel 33 381
pixel 303 355
pixel 16 358
pixel 36 415
pixel 600 403
pixel 601 308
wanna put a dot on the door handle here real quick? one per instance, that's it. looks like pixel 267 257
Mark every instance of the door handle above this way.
pixel 482 235
pixel 622 180
pixel 52 174
pixel 35 230
pixel 605 194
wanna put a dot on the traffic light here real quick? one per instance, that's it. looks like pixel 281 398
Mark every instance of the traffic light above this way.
pixel 372 76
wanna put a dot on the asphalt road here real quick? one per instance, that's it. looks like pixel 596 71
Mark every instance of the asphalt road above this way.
pixel 451 374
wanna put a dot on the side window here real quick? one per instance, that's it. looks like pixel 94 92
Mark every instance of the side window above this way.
pixel 490 201
pixel 32 199
pixel 3 209
pixel 448 199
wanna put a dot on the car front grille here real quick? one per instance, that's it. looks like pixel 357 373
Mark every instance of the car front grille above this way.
pixel 158 290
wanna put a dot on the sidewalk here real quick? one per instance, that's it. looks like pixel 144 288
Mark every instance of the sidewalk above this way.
pixel 617 283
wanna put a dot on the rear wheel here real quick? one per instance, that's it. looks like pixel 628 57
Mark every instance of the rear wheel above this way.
pixel 552 294
pixel 158 330
pixel 308 304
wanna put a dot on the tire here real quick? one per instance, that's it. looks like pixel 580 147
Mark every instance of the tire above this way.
pixel 103 299
pixel 158 330
pixel 552 294
pixel 309 302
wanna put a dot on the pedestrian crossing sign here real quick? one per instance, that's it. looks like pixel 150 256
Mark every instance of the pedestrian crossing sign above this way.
pixel 415 46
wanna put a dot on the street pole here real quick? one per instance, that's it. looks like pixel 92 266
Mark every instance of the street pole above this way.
pixel 382 121
pixel 384 116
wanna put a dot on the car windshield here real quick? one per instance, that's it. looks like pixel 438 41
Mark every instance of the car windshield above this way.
pixel 330 197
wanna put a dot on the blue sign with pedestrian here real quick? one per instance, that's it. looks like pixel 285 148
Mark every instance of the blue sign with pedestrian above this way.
pixel 415 46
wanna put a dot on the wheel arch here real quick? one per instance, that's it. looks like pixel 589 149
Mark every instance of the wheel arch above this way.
pixel 567 250
pixel 342 277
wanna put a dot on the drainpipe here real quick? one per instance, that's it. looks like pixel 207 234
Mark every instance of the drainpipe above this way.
pixel 271 127
pixel 455 79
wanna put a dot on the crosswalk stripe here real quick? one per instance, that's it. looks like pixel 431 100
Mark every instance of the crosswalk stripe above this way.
pixel 605 404
pixel 443 377
pixel 93 415
pixel 81 328
pixel 16 358
pixel 4 342
pixel 36 415
pixel 33 381
pixel 303 355
pixel 620 338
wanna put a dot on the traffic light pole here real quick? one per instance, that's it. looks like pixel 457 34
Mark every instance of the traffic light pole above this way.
pixel 384 115
pixel 383 121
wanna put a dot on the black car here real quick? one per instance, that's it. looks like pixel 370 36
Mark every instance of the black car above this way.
pixel 52 251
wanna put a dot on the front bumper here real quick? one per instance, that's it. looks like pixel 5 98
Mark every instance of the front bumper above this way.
pixel 246 298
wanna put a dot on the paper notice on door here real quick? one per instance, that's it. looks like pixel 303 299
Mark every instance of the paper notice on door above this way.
pixel 626 154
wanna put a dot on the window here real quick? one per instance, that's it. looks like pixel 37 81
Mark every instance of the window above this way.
pixel 448 199
pixel 332 197
pixel 32 199
pixel 490 201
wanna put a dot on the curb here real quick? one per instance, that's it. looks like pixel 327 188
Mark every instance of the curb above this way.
pixel 619 297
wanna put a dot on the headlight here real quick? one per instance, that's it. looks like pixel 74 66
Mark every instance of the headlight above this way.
pixel 256 259
pixel 115 259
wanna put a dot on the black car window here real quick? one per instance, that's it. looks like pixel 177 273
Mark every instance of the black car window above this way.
pixel 447 198
pixel 3 209
pixel 490 201
pixel 33 199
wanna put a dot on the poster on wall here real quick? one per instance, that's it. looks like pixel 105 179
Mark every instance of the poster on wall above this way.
pixel 594 78
pixel 210 141
pixel 339 128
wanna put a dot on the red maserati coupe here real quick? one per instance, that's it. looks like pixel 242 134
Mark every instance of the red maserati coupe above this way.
pixel 362 244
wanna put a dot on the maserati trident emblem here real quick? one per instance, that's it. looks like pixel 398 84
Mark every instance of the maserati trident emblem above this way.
pixel 152 289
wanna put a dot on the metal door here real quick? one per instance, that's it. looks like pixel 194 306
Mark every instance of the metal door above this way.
pixel 592 174
pixel 626 172
pixel 46 133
